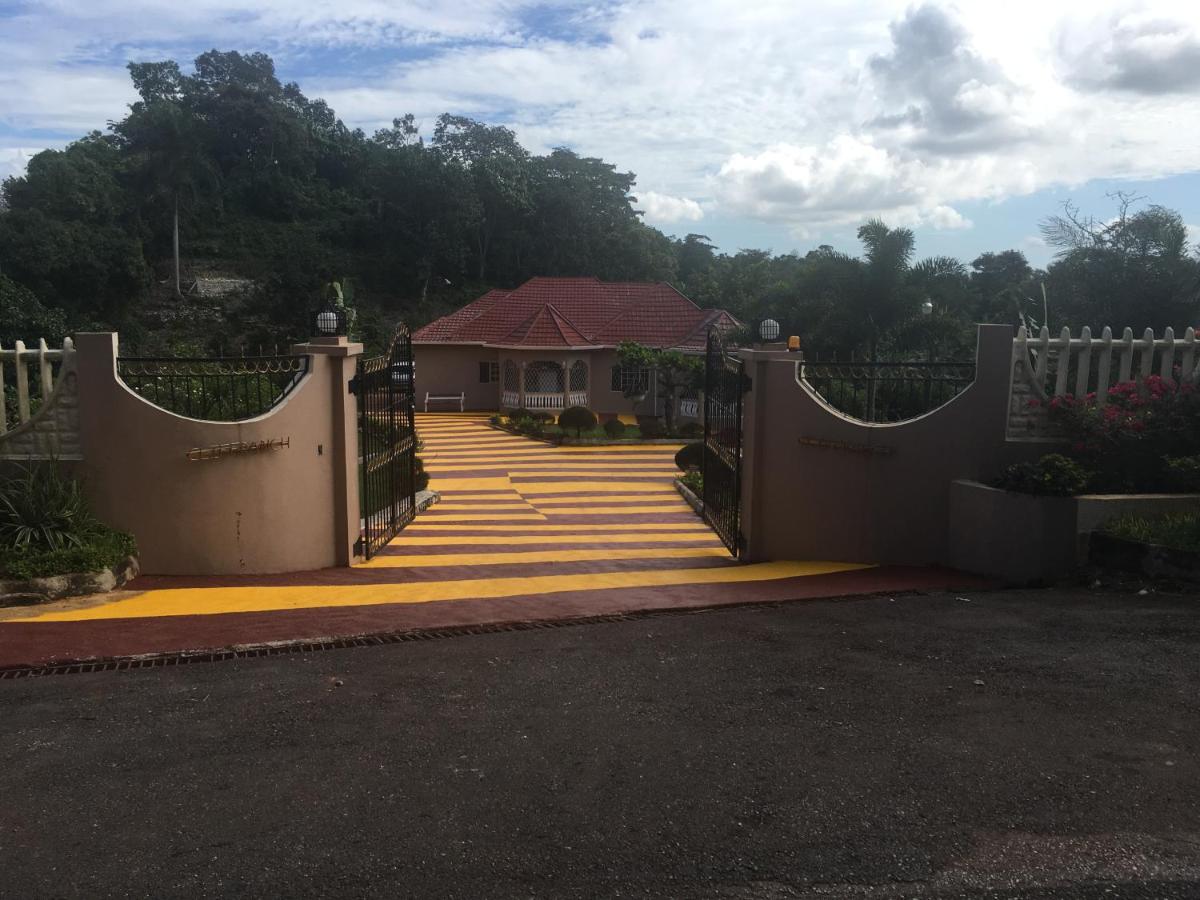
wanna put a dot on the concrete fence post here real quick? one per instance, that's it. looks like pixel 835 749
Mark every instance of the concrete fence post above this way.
pixel 754 421
pixel 343 362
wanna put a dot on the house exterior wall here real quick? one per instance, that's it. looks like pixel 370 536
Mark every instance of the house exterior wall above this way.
pixel 448 369
pixel 451 369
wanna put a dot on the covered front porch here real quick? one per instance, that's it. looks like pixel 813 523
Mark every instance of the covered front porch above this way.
pixel 544 384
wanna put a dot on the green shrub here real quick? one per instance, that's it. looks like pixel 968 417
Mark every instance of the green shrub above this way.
pixel 1183 473
pixel 103 548
pixel 1180 531
pixel 42 509
pixel 693 481
pixel 652 428
pixel 691 430
pixel 422 477
pixel 577 418
pixel 519 413
pixel 529 425
pixel 690 456
pixel 496 419
pixel 1053 475
pixel 614 428
pixel 540 415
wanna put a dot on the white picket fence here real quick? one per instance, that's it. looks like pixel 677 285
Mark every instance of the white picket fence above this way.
pixel 45 361
pixel 1081 365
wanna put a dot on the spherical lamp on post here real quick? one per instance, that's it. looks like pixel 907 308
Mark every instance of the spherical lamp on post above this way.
pixel 768 330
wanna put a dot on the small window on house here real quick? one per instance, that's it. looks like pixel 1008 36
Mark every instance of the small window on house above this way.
pixel 630 379
pixel 489 372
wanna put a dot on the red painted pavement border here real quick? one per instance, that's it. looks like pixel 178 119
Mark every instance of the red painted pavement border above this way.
pixel 50 643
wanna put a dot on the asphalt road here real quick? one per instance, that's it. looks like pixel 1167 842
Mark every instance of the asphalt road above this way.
pixel 1016 745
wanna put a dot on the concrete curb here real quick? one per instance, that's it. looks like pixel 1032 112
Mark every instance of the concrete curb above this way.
pixel 71 584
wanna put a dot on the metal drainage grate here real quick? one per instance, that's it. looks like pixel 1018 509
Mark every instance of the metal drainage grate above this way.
pixel 185 658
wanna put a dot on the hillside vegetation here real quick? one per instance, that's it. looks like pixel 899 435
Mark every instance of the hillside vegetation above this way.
pixel 257 181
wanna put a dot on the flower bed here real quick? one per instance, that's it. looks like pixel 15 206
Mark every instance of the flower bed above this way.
pixel 1026 538
pixel 1144 439
pixel 1159 547
pixel 50 544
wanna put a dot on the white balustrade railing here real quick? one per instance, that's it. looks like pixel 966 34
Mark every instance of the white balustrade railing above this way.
pixel 547 400
pixel 544 401
pixel 689 409
pixel 21 358
pixel 510 399
pixel 1083 365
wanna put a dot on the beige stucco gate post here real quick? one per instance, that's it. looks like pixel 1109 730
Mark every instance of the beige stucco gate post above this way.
pixel 343 360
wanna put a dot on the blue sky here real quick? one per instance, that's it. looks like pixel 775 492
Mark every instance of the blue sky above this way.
pixel 776 124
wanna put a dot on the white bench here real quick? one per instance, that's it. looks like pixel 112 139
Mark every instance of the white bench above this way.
pixel 460 399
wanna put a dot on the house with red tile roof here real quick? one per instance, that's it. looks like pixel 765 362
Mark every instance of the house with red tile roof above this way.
pixel 551 343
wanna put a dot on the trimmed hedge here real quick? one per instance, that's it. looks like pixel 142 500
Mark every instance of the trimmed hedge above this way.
pixel 577 418
pixel 690 456
pixel 102 549
pixel 614 428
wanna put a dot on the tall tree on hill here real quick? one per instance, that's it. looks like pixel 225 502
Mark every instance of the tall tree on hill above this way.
pixel 1133 270
pixel 499 168
pixel 168 161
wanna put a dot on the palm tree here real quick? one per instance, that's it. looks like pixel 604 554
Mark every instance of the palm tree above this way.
pixel 883 301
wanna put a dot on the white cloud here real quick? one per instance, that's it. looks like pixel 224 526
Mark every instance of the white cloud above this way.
pixel 840 183
pixel 14 159
pixel 667 210
pixel 811 114
pixel 946 218
pixel 1193 237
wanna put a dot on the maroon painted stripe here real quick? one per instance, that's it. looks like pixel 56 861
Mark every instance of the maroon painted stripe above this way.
pixel 402 576
pixel 45 643
pixel 582 543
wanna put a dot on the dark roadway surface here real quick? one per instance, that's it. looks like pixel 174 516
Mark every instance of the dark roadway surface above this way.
pixel 1017 745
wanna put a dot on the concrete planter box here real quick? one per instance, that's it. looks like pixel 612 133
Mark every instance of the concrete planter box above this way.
pixel 1152 560
pixel 1027 539
pixel 76 584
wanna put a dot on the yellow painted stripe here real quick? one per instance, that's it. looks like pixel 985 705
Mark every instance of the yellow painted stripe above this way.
pixel 449 496
pixel 478 507
pixel 624 537
pixel 423 525
pixel 211 601
pixel 542 488
pixel 623 473
pixel 542 556
pixel 612 510
pixel 490 460
pixel 496 483
pixel 492 517
pixel 551 501
pixel 436 465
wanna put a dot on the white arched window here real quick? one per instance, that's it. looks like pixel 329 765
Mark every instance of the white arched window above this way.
pixel 579 375
pixel 543 378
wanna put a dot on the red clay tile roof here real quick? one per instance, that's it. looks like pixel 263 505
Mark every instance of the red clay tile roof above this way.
pixel 443 330
pixel 547 327
pixel 572 312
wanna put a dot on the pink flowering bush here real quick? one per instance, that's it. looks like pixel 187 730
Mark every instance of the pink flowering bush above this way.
pixel 1136 439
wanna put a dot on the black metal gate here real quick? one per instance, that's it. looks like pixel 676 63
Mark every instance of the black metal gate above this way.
pixel 387 443
pixel 724 386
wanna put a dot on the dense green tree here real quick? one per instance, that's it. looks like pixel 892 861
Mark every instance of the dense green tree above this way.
pixel 1133 270
pixel 225 168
